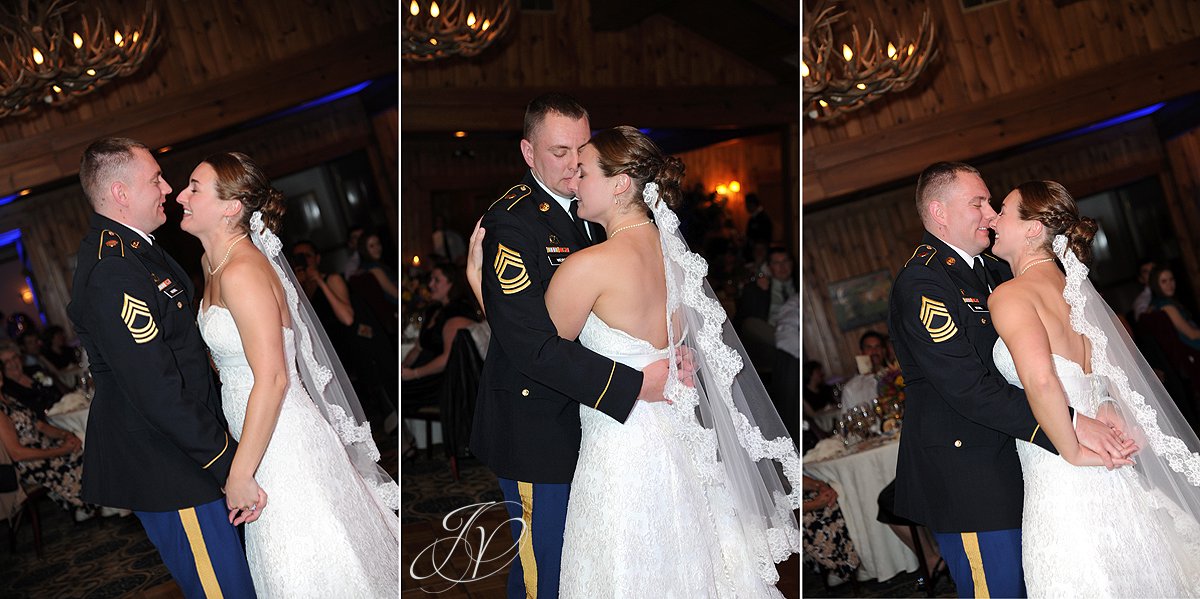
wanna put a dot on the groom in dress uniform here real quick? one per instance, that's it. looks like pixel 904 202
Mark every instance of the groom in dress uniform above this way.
pixel 957 470
pixel 526 426
pixel 157 439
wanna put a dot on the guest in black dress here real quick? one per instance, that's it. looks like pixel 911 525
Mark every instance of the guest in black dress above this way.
pixel 452 308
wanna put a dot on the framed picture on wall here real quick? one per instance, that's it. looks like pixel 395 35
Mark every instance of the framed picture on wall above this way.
pixel 861 300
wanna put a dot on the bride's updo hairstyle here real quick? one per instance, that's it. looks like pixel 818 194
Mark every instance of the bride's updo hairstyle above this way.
pixel 624 150
pixel 239 178
pixel 1050 204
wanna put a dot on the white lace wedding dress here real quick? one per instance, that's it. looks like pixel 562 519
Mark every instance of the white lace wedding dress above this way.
pixel 321 533
pixel 1086 531
pixel 640 522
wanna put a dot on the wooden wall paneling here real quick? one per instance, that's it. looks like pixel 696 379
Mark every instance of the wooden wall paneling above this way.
pixel 1182 187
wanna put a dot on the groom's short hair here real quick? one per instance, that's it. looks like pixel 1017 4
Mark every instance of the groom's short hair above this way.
pixel 554 102
pixel 933 181
pixel 101 161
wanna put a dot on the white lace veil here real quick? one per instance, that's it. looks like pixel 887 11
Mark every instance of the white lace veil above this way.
pixel 727 421
pixel 1167 463
pixel 326 380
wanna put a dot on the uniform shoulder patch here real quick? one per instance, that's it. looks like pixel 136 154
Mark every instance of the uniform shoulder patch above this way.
pixel 514 194
pixel 136 315
pixel 111 244
pixel 922 255
pixel 510 270
pixel 937 320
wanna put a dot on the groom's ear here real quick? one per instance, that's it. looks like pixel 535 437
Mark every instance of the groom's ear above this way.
pixel 119 192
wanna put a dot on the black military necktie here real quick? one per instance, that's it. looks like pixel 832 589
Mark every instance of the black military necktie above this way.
pixel 982 273
pixel 579 226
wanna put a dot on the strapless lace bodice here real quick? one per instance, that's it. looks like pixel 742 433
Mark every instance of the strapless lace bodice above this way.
pixel 1084 391
pixel 617 344
pixel 220 333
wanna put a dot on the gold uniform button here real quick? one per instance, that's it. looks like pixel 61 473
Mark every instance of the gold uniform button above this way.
pixel 958 443
pixel 525 392
pixel 180 304
pixel 983 320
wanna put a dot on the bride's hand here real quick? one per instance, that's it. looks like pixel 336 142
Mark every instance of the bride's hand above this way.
pixel 1109 442
pixel 245 499
pixel 1087 457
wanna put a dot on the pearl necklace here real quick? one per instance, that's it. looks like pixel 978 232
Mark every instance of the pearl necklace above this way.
pixel 228 250
pixel 1034 263
pixel 628 227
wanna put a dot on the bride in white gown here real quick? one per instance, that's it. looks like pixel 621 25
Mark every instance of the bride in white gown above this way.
pixel 691 498
pixel 1087 531
pixel 330 529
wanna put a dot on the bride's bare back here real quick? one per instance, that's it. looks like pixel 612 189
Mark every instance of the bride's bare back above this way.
pixel 621 280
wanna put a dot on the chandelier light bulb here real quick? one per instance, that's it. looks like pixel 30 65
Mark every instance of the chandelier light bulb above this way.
pixel 77 40
pixel 891 50
pixel 803 69
pixel 433 41
pixel 486 24
pixel 471 20
pixel 37 56
pixel 57 89
pixel 847 53
pixel 118 39
pixel 414 9
pixel 911 48
pixel 91 72
pixel 434 11
pixel 136 36
pixel 861 86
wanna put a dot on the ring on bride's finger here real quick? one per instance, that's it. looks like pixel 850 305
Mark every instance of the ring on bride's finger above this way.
pixel 254 507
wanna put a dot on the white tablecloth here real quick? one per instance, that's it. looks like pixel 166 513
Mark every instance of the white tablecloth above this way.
pixel 858 478
pixel 71 414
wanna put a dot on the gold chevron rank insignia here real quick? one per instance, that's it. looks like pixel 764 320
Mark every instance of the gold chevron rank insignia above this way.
pixel 510 271
pixel 138 320
pixel 936 319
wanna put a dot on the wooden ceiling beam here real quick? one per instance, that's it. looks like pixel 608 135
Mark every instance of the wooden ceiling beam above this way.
pixel 502 109
pixel 901 152
pixel 194 112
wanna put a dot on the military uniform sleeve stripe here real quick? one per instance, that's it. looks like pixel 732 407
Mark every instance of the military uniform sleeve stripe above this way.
pixel 223 450
pixel 610 377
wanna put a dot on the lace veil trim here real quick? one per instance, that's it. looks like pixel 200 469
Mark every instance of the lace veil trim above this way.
pixel 317 363
pixel 722 420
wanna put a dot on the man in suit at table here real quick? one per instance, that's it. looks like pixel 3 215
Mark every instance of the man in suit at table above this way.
pixel 157 439
pixel 957 470
pixel 526 426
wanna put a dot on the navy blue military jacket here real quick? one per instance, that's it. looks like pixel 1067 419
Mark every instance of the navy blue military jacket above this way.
pixel 526 425
pixel 958 469
pixel 157 438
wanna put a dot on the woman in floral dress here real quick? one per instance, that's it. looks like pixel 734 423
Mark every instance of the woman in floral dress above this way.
pixel 44 455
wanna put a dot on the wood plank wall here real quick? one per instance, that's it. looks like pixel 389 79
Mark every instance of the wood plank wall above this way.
pixel 1182 184
pixel 1008 73
pixel 879 232
pixel 221 63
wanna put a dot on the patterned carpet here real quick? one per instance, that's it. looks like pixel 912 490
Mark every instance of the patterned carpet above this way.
pixel 98 559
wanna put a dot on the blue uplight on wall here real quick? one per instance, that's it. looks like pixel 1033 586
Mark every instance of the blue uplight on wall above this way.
pixel 1136 114
pixel 337 95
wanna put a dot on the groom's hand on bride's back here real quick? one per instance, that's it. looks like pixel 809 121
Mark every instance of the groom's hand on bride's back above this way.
pixel 655 374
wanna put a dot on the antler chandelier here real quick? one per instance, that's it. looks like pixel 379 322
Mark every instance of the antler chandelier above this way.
pixel 842 79
pixel 453 28
pixel 52 51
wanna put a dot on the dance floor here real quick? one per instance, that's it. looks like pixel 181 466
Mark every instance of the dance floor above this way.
pixel 428 493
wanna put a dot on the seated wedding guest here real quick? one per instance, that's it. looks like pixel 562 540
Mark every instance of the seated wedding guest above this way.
pixel 328 294
pixel 32 388
pixel 1162 287
pixel 55 349
pixel 448 245
pixel 766 295
pixel 863 387
pixel 45 455
pixel 452 308
pixel 827 543
pixel 814 395
pixel 30 343
pixel 370 251
pixel 1141 303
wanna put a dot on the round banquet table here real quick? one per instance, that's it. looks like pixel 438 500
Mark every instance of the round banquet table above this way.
pixel 858 474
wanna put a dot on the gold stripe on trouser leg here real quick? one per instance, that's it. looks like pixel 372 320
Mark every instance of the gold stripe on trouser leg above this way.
pixel 528 562
pixel 204 568
pixel 970 542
